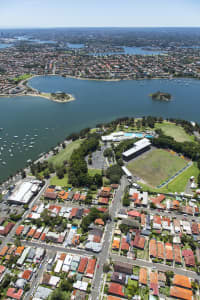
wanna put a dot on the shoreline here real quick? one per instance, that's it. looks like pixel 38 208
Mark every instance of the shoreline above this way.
pixel 42 95
pixel 110 80
pixel 36 93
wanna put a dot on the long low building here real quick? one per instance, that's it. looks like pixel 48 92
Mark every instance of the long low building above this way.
pixel 127 172
pixel 138 148
pixel 24 192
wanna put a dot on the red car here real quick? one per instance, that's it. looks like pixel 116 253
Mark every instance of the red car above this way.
pixel 98 266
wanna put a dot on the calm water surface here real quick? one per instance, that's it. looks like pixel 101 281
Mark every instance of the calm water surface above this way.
pixel 32 125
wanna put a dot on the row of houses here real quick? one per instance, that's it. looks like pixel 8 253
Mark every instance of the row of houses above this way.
pixel 77 266
pixel 26 262
pixel 122 275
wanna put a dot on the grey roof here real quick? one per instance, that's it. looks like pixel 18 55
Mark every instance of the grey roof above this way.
pixel 139 145
pixel 42 292
pixel 31 253
pixel 20 283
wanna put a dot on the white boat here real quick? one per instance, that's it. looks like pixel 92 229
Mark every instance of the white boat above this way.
pixel 15 136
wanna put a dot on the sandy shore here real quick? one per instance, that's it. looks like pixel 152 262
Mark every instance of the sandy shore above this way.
pixel 42 95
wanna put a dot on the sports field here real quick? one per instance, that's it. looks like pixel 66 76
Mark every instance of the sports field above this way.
pixel 156 166
pixel 177 132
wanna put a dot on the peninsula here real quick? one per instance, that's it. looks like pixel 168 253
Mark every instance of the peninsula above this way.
pixel 161 96
pixel 23 89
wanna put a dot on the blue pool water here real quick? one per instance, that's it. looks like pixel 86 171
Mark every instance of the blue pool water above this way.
pixel 139 135
pixel 74 227
pixel 128 134
pixel 149 136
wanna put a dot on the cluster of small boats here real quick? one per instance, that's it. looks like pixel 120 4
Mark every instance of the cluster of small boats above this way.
pixel 10 144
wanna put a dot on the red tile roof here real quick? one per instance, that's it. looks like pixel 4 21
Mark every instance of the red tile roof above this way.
pixel 143 276
pixel 177 254
pixel 168 251
pixel 31 232
pixel 139 241
pixel 19 229
pixel 124 244
pixel 180 293
pixel 154 283
pixel 11 293
pixel 43 236
pixel 116 289
pixel 91 267
pixel 83 265
pixel 189 257
pixel 76 196
pixel 182 281
pixel 2 269
pixel 73 212
pixel 134 213
pixel 160 248
pixel 27 274
pixel 99 222
pixel 103 200
pixel 3 251
pixel 153 248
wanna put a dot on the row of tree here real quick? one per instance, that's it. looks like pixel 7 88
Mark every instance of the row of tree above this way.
pixel 78 171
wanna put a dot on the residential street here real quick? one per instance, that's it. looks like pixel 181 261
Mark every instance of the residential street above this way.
pixel 160 267
pixel 107 238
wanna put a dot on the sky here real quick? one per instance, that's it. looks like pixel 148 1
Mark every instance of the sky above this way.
pixel 99 13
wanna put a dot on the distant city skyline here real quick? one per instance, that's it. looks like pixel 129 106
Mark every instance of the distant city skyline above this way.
pixel 95 13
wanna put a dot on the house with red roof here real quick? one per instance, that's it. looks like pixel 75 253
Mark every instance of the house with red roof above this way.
pixel 27 274
pixel 83 265
pixel 124 244
pixel 91 267
pixel 189 257
pixel 177 254
pixel 153 248
pixel 103 200
pixel 134 214
pixel 19 230
pixel 154 283
pixel 116 289
pixel 168 252
pixel 139 241
pixel 14 294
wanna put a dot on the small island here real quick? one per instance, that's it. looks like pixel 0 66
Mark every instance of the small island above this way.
pixel 57 97
pixel 161 96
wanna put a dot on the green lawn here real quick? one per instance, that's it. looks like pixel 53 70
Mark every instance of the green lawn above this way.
pixel 59 182
pixel 93 172
pixel 22 77
pixel 156 166
pixel 177 132
pixel 178 184
pixel 64 154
